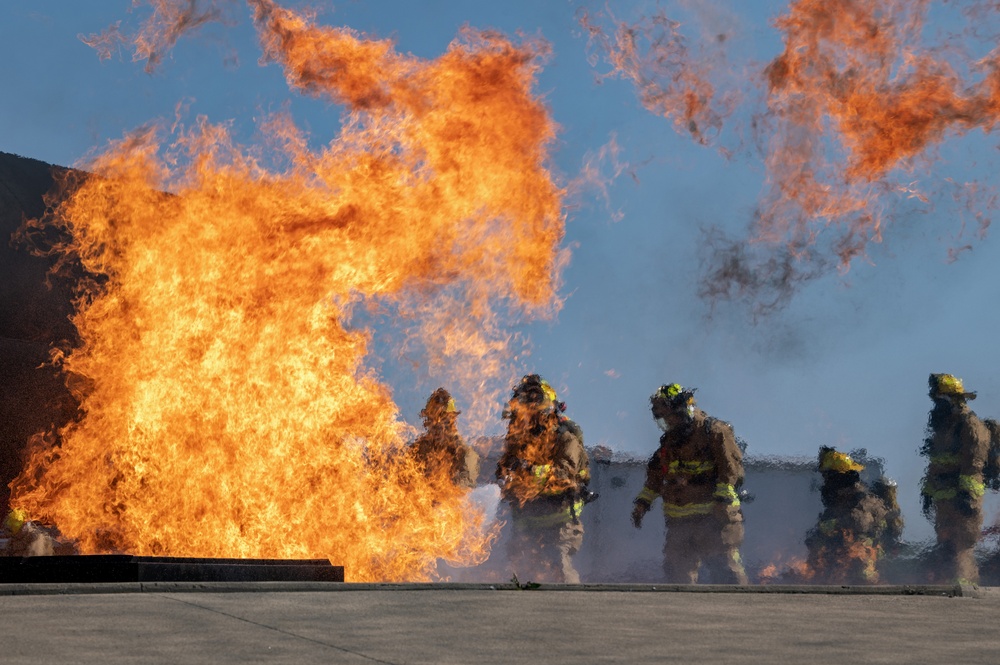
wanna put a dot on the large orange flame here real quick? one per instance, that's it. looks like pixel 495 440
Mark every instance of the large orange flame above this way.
pixel 228 410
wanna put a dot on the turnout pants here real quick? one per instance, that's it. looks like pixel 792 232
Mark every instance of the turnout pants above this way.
pixel 957 531
pixel 544 553
pixel 709 542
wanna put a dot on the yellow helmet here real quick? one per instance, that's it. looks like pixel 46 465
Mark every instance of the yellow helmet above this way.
pixel 440 402
pixel 832 460
pixel 15 519
pixel 948 385
pixel 674 395
pixel 667 391
pixel 533 389
pixel 550 392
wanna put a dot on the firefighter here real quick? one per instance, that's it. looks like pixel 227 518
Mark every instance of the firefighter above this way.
pixel 440 448
pixel 19 536
pixel 989 570
pixel 957 448
pixel 858 524
pixel 543 475
pixel 697 471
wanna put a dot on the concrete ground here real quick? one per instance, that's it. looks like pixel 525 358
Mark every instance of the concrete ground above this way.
pixel 357 623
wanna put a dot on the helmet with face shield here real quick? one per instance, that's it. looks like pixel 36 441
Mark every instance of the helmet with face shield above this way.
pixel 672 403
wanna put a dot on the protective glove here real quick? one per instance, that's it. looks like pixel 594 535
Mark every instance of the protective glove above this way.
pixel 926 503
pixel 638 511
pixel 723 511
pixel 964 502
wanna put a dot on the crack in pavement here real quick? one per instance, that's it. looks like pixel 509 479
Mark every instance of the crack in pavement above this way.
pixel 279 630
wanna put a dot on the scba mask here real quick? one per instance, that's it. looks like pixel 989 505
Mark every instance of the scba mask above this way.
pixel 665 426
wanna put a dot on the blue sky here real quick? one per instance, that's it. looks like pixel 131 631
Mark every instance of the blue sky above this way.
pixel 845 363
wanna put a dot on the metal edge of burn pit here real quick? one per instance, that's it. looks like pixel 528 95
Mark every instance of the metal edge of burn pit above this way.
pixel 948 591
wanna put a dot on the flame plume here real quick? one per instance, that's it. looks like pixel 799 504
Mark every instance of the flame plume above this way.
pixel 859 72
pixel 228 410
pixel 859 97
pixel 672 79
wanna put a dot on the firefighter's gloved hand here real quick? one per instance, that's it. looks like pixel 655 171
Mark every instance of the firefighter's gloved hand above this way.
pixel 725 510
pixel 638 512
pixel 926 504
pixel 965 504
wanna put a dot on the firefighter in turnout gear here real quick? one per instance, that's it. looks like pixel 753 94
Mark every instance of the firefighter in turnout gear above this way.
pixel 697 471
pixel 543 475
pixel 957 448
pixel 21 536
pixel 857 526
pixel 441 449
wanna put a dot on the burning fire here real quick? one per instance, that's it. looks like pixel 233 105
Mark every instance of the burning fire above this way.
pixel 783 570
pixel 226 407
pixel 657 58
pixel 858 71
pixel 851 113
pixel 842 559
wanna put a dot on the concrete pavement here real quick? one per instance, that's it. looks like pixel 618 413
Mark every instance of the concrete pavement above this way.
pixel 357 623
